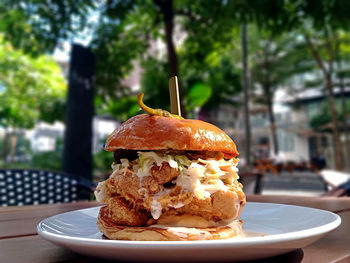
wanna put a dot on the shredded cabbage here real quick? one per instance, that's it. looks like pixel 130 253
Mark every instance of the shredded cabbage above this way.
pixel 147 160
pixel 204 177
pixel 125 163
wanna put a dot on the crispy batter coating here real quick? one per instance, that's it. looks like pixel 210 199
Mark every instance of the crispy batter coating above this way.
pixel 164 173
pixel 220 205
pixel 140 193
pixel 123 214
pixel 126 184
pixel 130 195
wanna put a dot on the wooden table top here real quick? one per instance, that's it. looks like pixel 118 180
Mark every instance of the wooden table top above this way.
pixel 19 241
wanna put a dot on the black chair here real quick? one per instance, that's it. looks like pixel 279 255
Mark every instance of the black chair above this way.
pixel 33 187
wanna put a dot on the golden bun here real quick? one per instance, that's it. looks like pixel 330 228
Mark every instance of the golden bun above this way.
pixel 163 233
pixel 145 132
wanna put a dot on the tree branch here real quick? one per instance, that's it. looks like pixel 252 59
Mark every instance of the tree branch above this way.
pixel 331 56
pixel 316 55
pixel 186 13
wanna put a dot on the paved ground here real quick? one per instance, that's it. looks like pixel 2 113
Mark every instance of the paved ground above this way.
pixel 296 183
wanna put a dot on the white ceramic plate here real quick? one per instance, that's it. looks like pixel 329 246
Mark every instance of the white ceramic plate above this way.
pixel 286 227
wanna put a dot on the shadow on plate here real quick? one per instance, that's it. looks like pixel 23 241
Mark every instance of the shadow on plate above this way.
pixel 295 256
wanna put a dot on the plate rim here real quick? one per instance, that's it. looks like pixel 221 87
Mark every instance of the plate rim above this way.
pixel 239 242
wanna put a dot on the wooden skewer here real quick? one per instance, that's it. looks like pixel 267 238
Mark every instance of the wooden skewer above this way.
pixel 174 96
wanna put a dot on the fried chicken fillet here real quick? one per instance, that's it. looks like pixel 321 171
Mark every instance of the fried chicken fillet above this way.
pixel 172 180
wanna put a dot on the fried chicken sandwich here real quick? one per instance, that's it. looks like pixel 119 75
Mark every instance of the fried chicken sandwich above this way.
pixel 173 179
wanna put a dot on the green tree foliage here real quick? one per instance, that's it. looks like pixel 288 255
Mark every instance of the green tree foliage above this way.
pixel 154 83
pixel 277 59
pixel 323 118
pixel 116 44
pixel 124 31
pixel 31 88
pixel 274 61
pixel 128 28
pixel 212 83
pixel 123 108
pixel 102 161
pixel 317 22
pixel 208 56
pixel 216 67
pixel 198 95
pixel 37 26
pixel 49 160
pixel 323 47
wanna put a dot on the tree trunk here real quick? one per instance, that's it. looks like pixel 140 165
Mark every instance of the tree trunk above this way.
pixel 13 146
pixel 338 152
pixel 246 83
pixel 345 118
pixel 167 10
pixel 173 61
pixel 269 98
pixel 166 7
pixel 77 152
pixel 272 119
pixel 5 146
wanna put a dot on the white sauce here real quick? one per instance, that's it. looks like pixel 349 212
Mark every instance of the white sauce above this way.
pixel 178 205
pixel 156 209
pixel 101 192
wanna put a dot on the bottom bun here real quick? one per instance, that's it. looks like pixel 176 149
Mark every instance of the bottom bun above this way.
pixel 164 233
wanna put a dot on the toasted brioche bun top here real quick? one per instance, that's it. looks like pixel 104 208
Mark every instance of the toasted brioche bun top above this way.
pixel 145 132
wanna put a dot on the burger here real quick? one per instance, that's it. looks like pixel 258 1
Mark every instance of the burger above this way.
pixel 173 179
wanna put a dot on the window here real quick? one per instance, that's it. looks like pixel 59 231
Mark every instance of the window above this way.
pixel 285 140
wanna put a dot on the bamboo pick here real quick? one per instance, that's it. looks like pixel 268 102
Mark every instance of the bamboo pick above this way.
pixel 174 96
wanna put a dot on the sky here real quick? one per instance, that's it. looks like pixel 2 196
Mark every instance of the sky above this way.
pixel 62 52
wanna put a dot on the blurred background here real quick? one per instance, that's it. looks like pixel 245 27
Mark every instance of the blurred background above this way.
pixel 273 74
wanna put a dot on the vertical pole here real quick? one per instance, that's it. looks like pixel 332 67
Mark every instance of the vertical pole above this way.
pixel 77 152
